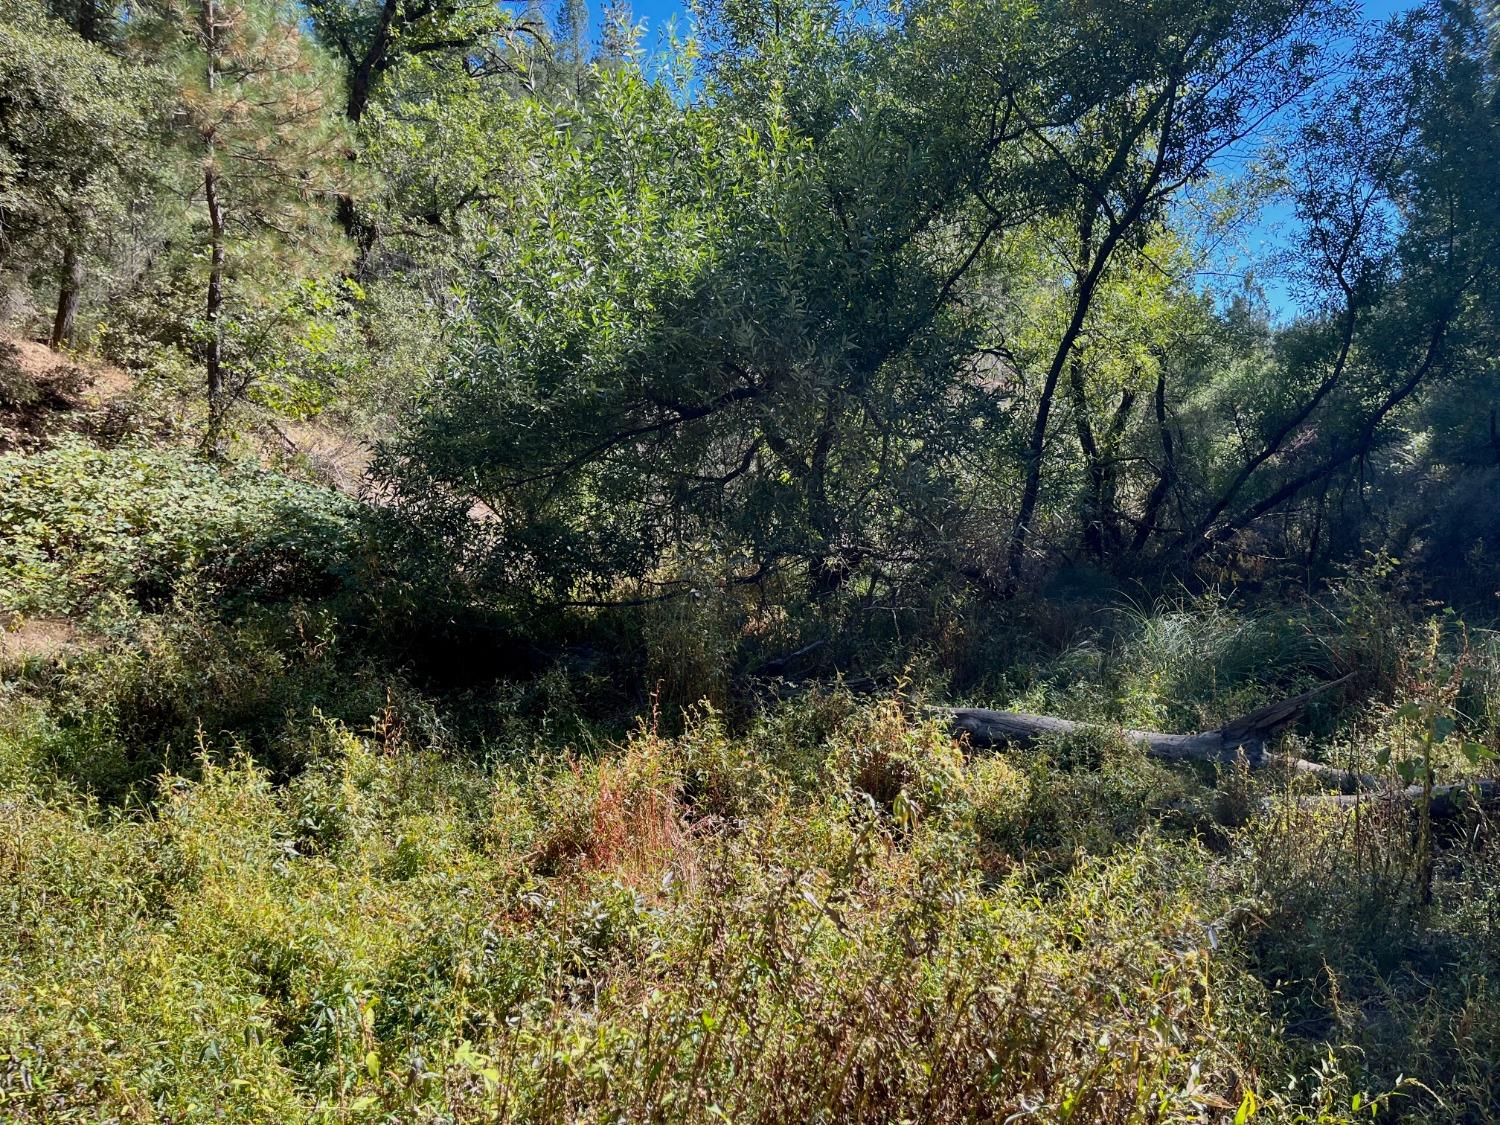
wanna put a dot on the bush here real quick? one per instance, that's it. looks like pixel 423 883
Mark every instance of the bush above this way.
pixel 828 913
pixel 908 771
pixel 362 939
pixel 1000 797
pixel 81 526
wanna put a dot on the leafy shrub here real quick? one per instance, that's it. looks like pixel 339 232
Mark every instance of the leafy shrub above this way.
pixel 689 643
pixel 163 691
pixel 999 796
pixel 1094 790
pixel 403 967
pixel 908 771
pixel 830 913
pixel 17 387
pixel 718 776
pixel 81 525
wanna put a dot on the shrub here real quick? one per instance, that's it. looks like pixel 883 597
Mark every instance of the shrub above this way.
pixel 1094 790
pixel 81 525
pixel 909 771
pixel 159 691
pixel 828 915
pixel 1000 797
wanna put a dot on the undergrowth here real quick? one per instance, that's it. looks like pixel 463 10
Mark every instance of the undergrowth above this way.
pixel 256 869
pixel 833 914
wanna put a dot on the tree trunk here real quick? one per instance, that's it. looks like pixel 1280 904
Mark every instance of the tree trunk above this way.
pixel 213 307
pixel 1092 516
pixel 1200 538
pixel 1167 477
pixel 1086 281
pixel 70 285
pixel 1099 518
pixel 1244 738
pixel 214 301
pixel 1443 801
pixel 346 211
pixel 363 71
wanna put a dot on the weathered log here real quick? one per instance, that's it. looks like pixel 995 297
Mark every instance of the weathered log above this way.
pixel 1244 738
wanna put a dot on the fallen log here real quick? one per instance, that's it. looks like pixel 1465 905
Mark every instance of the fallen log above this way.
pixel 1244 738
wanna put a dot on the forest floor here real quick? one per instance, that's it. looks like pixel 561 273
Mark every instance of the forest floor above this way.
pixel 44 393
pixel 261 864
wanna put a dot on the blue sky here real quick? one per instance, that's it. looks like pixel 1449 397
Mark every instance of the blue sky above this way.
pixel 656 13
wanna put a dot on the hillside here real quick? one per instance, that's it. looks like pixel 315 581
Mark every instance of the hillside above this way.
pixel 919 561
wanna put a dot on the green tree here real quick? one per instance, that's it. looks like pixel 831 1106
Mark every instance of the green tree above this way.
pixel 1392 177
pixel 1124 109
pixel 269 154
pixel 77 135
pixel 373 39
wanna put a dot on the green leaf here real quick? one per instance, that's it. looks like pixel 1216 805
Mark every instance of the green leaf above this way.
pixel 1477 752
pixel 1409 712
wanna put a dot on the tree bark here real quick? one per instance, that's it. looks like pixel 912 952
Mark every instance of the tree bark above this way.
pixel 214 303
pixel 1167 477
pixel 1244 738
pixel 70 285
pixel 214 300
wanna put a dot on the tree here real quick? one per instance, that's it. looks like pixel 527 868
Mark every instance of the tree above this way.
pixel 269 154
pixel 96 23
pixel 1393 173
pixel 705 328
pixel 1126 108
pixel 858 306
pixel 371 38
pixel 76 141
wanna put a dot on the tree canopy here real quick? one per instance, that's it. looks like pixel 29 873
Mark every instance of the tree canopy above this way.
pixel 861 300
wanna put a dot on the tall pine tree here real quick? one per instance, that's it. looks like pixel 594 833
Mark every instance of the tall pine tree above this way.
pixel 269 151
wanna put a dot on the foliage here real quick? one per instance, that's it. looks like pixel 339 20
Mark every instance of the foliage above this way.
pixel 81 525
pixel 730 405
pixel 76 129
pixel 679 922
